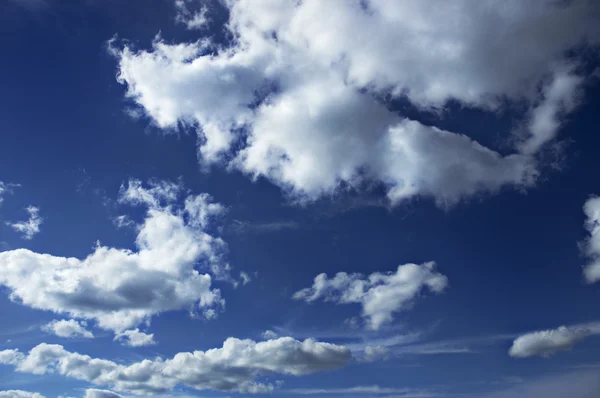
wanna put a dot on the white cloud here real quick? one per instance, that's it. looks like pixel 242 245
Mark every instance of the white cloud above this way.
pixel 6 188
pixel 121 288
pixel 20 394
pixel 269 335
pixel 380 295
pixel 547 342
pixel 68 328
pixel 559 98
pixel 95 393
pixel 362 390
pixel 233 367
pixel 135 338
pixel 591 246
pixel 245 278
pixel 304 113
pixel 191 19
pixel 31 227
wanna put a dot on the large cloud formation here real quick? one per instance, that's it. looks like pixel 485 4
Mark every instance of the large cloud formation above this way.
pixel 296 96
pixel 233 367
pixel 547 342
pixel 380 294
pixel 120 288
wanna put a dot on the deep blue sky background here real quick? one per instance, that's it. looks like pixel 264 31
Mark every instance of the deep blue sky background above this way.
pixel 512 259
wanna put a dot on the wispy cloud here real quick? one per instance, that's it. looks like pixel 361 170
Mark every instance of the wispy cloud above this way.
pixel 249 227
pixel 31 226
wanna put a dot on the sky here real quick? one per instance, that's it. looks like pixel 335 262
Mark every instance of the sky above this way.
pixel 240 198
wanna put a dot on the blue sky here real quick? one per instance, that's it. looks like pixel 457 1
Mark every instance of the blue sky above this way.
pixel 271 198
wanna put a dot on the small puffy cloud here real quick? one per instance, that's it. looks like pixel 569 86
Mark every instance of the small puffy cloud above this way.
pixel 308 114
pixel 269 335
pixel 380 294
pixel 68 328
pixel 31 227
pixel 20 394
pixel 121 288
pixel 11 357
pixel 245 278
pixel 591 246
pixel 547 342
pixel 135 338
pixel 233 367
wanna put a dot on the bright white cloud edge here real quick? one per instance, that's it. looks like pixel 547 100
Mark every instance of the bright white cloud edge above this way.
pixel 317 127
pixel 236 366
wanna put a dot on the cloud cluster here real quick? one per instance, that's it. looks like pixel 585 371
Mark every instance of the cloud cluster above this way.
pixel 591 246
pixel 121 288
pixel 68 328
pixel 234 367
pixel 547 342
pixel 380 294
pixel 296 96
pixel 89 393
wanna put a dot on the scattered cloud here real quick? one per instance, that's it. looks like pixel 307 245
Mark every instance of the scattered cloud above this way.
pixel 68 328
pixel 6 188
pixel 269 335
pixel 193 20
pixel 380 294
pixel 547 342
pixel 243 227
pixel 123 221
pixel 135 338
pixel 363 391
pixel 31 227
pixel 20 394
pixel 94 393
pixel 233 367
pixel 245 278
pixel 121 288
pixel 308 114
pixel 591 247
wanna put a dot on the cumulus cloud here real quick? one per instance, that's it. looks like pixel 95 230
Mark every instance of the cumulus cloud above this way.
pixel 233 367
pixel 121 288
pixel 591 246
pixel 307 114
pixel 135 338
pixel 547 342
pixel 31 227
pixel 380 294
pixel 20 394
pixel 68 328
